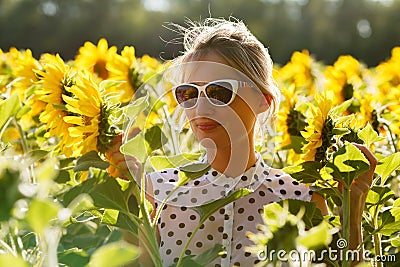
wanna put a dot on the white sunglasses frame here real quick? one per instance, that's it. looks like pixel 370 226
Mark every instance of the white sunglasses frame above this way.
pixel 202 88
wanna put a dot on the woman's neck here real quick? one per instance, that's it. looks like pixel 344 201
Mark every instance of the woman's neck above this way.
pixel 233 160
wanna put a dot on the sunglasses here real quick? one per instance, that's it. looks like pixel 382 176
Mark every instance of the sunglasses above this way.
pixel 219 93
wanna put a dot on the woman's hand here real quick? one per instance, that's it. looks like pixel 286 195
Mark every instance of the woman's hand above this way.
pixel 122 166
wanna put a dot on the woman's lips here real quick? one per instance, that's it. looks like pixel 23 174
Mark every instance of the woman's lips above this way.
pixel 207 126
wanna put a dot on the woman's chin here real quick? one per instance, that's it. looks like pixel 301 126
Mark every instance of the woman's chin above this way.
pixel 207 143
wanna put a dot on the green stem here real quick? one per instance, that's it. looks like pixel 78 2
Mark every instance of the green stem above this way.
pixel 25 148
pixel 149 233
pixel 391 138
pixel 150 243
pixel 5 127
pixel 188 242
pixel 24 143
pixel 159 210
pixel 346 223
pixel 175 146
pixel 377 241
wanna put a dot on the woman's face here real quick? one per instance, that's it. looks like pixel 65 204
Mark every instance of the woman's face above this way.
pixel 218 127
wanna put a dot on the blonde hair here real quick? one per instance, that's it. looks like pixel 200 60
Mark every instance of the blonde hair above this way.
pixel 233 41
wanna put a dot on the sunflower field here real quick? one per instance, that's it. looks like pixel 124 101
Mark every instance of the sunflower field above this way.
pixel 67 198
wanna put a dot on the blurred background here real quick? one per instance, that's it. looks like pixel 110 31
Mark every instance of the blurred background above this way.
pixel 365 29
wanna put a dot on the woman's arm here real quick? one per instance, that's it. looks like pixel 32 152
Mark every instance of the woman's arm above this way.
pixel 358 195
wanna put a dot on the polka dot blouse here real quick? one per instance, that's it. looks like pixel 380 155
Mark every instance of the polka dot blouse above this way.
pixel 229 225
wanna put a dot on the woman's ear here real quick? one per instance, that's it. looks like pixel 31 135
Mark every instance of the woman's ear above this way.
pixel 265 102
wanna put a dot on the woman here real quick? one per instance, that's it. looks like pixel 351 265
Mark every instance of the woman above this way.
pixel 225 87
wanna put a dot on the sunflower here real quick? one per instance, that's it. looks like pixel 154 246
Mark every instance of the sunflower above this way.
pixel 299 71
pixel 56 78
pixel 89 116
pixel 124 68
pixel 25 66
pixel 290 123
pixel 368 112
pixel 343 78
pixel 318 132
pixel 6 72
pixel 388 83
pixel 387 73
pixel 95 58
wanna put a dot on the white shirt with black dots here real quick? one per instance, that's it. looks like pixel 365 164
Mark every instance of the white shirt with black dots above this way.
pixel 229 225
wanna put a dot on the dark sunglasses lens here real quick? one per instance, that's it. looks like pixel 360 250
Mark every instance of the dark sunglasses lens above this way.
pixel 220 93
pixel 186 95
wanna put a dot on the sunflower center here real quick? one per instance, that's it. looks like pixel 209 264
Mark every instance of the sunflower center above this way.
pixel 348 91
pixel 100 69
pixel 327 140
pixel 133 78
pixel 107 131
pixel 295 122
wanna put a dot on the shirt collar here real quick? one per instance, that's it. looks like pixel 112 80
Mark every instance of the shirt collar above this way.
pixel 251 178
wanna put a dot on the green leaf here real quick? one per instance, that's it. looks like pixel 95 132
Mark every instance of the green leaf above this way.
pixel 191 172
pixel 187 261
pixel 123 183
pixel 316 237
pixel 204 259
pixel 206 210
pixel 388 224
pixel 24 110
pixel 155 137
pixel 114 255
pixel 105 194
pixel 163 162
pixel 8 108
pixel 40 213
pixel 110 216
pixel 351 162
pixel 10 191
pixel 120 220
pixel 395 210
pixel 209 255
pixel 377 196
pixel 34 156
pixel 271 215
pixel 395 242
pixel 48 170
pixel 136 147
pixel 106 84
pixel 387 165
pixel 81 203
pixel 329 192
pixel 297 143
pixel 74 257
pixel 306 172
pixel 312 215
pixel 90 159
pixel 340 109
pixel 340 131
pixel 132 110
pixel 156 103
pixel 10 260
pixel 369 136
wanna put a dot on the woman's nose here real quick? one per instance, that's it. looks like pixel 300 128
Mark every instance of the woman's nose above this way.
pixel 204 107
